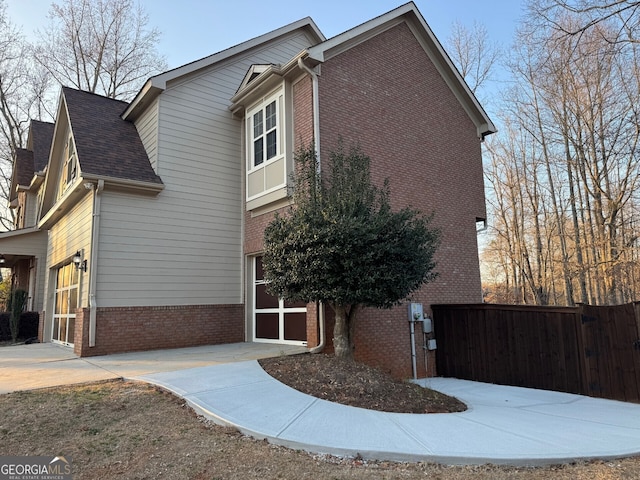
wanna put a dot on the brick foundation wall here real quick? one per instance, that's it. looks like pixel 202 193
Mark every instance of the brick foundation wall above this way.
pixel 126 329
pixel 382 340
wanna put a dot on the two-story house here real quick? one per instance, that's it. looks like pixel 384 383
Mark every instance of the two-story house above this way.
pixel 143 224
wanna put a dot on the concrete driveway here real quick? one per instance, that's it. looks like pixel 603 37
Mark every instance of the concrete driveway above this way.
pixel 40 365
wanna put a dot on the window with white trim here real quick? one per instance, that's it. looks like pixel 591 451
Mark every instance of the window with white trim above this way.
pixel 69 168
pixel 265 147
pixel 265 134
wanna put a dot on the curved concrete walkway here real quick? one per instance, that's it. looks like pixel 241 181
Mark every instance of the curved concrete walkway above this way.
pixel 503 425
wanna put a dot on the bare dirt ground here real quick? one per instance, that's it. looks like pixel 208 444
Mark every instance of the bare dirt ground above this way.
pixel 132 430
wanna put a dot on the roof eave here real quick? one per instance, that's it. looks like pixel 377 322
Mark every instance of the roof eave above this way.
pixel 335 45
pixel 35 182
pixel 147 94
pixel 82 184
pixel 125 183
pixel 16 233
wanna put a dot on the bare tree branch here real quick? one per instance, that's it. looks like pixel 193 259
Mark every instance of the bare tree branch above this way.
pixel 623 13
pixel 101 46
pixel 473 53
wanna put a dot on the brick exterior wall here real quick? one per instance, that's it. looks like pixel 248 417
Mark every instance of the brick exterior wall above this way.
pixel 387 96
pixel 127 329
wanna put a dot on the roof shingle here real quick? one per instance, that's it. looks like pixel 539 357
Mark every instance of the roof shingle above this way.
pixel 41 137
pixel 23 166
pixel 106 144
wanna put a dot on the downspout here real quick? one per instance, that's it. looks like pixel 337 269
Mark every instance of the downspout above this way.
pixel 316 141
pixel 323 337
pixel 93 273
pixel 316 107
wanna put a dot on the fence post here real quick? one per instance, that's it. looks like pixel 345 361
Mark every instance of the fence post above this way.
pixel 584 373
pixel 636 311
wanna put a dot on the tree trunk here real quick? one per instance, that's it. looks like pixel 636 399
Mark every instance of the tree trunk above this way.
pixel 343 330
pixel 342 342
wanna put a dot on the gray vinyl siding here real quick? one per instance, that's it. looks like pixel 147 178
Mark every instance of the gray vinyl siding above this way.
pixel 147 126
pixel 31 204
pixel 184 246
pixel 70 234
pixel 152 253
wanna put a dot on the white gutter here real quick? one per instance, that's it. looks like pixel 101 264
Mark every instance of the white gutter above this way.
pixel 316 142
pixel 323 336
pixel 93 264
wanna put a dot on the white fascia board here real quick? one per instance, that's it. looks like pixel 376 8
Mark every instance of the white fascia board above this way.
pixel 147 93
pixel 49 183
pixel 452 76
pixel 123 183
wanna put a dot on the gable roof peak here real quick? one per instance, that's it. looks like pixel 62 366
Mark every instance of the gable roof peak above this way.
pixel 409 14
pixel 107 146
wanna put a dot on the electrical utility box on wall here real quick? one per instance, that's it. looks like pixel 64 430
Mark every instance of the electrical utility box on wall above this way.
pixel 415 312
pixel 427 325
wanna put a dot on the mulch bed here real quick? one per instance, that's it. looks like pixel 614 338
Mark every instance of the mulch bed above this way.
pixel 355 384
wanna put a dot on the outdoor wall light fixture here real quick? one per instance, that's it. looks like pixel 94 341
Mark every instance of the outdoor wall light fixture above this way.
pixel 79 262
pixel 2 259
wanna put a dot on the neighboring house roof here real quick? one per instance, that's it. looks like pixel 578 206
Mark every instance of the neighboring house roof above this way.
pixel 41 136
pixel 106 145
pixel 33 159
pixel 155 85
pixel 23 166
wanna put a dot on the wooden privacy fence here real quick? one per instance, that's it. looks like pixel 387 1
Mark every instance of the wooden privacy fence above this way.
pixel 589 350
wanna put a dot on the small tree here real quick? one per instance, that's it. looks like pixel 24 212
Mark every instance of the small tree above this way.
pixel 341 243
pixel 17 302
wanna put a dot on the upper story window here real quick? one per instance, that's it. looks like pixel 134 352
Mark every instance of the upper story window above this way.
pixel 265 134
pixel 265 146
pixel 69 168
pixel 264 128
